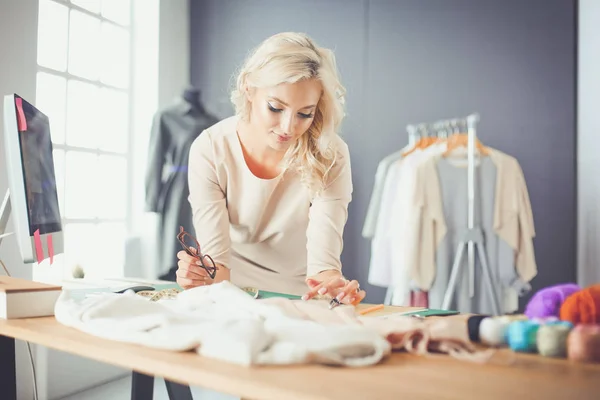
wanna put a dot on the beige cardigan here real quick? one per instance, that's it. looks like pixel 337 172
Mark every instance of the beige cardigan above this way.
pixel 513 219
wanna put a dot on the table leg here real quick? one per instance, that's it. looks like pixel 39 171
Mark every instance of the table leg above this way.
pixel 178 391
pixel 142 386
pixel 8 372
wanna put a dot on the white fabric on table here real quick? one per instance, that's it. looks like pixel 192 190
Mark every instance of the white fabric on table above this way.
pixel 223 322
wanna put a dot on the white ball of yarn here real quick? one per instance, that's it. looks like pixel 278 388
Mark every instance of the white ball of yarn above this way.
pixel 492 331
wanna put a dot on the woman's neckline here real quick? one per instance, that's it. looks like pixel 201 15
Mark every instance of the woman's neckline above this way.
pixel 241 153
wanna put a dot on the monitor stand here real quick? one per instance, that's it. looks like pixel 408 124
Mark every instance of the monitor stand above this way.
pixel 4 214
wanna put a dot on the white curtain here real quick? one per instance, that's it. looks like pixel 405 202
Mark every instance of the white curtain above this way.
pixel 588 156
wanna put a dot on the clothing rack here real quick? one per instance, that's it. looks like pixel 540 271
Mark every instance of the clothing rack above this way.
pixel 472 237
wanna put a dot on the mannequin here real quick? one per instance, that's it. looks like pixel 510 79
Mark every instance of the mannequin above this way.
pixel 174 129
pixel 192 96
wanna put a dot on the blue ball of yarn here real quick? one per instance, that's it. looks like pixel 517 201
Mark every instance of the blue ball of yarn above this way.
pixel 522 336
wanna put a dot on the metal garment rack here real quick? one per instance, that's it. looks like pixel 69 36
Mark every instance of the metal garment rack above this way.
pixel 472 237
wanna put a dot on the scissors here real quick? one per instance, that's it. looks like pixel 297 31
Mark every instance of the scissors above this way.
pixel 206 261
pixel 334 303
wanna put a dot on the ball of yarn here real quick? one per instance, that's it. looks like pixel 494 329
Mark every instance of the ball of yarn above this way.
pixel 547 302
pixel 551 339
pixel 582 307
pixel 522 336
pixel 558 322
pixel 473 325
pixel 492 331
pixel 583 343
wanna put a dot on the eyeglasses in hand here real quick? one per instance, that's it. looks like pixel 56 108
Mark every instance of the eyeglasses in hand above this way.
pixel 206 261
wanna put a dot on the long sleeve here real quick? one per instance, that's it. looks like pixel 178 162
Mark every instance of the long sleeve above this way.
pixel 526 264
pixel 327 217
pixel 208 202
pixel 513 218
pixel 154 169
pixel 427 225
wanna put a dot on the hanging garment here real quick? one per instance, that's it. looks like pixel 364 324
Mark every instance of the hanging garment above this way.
pixel 513 216
pixel 440 218
pixel 174 129
pixel 387 266
pixel 380 262
pixel 399 217
pixel 374 208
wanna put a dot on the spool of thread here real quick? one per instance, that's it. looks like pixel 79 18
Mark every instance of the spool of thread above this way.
pixel 551 340
pixel 547 302
pixel 492 331
pixel 583 343
pixel 522 336
pixel 473 325
pixel 582 307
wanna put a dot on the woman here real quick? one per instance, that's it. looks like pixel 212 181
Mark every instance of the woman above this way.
pixel 270 186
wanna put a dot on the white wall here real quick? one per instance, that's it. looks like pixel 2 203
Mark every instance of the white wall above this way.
pixel 588 156
pixel 18 38
pixel 18 45
pixel 60 374
pixel 174 48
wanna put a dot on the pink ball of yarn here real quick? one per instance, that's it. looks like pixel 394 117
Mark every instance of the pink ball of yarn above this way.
pixel 583 343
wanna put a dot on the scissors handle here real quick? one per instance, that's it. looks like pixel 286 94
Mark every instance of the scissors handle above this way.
pixel 334 303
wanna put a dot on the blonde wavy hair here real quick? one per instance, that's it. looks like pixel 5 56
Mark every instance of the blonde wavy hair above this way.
pixel 290 57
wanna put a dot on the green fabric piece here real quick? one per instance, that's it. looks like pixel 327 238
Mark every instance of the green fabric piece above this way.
pixel 263 294
pixel 431 312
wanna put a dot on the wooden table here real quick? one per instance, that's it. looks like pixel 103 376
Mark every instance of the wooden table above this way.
pixel 401 376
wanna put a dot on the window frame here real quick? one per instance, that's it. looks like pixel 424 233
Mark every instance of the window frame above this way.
pixel 127 155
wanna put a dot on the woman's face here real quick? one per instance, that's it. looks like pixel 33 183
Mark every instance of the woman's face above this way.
pixel 283 113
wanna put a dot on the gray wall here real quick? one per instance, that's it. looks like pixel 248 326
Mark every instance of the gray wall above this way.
pixel 512 61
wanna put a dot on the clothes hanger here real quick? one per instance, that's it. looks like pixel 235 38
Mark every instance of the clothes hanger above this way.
pixel 460 139
pixel 424 141
pixel 413 136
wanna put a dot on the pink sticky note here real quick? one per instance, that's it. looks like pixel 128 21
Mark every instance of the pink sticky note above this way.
pixel 50 248
pixel 21 120
pixel 38 246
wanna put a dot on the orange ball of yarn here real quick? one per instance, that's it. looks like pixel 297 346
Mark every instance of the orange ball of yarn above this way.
pixel 582 307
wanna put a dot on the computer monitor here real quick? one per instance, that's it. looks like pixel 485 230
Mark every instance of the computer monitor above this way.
pixel 32 193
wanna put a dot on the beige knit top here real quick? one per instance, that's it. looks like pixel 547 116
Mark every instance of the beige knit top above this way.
pixel 268 232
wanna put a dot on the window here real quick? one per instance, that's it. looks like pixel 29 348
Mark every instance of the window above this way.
pixel 84 86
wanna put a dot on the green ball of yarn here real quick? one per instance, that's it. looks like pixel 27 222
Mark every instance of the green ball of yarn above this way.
pixel 552 340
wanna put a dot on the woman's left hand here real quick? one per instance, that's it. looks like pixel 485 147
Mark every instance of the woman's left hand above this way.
pixel 345 291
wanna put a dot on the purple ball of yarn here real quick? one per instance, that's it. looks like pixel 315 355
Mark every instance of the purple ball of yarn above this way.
pixel 546 302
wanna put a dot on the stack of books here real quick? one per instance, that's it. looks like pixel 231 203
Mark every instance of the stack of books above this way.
pixel 22 298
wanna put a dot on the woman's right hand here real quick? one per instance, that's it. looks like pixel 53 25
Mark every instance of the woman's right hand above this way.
pixel 189 273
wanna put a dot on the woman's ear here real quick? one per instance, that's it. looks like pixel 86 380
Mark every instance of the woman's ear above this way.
pixel 249 92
